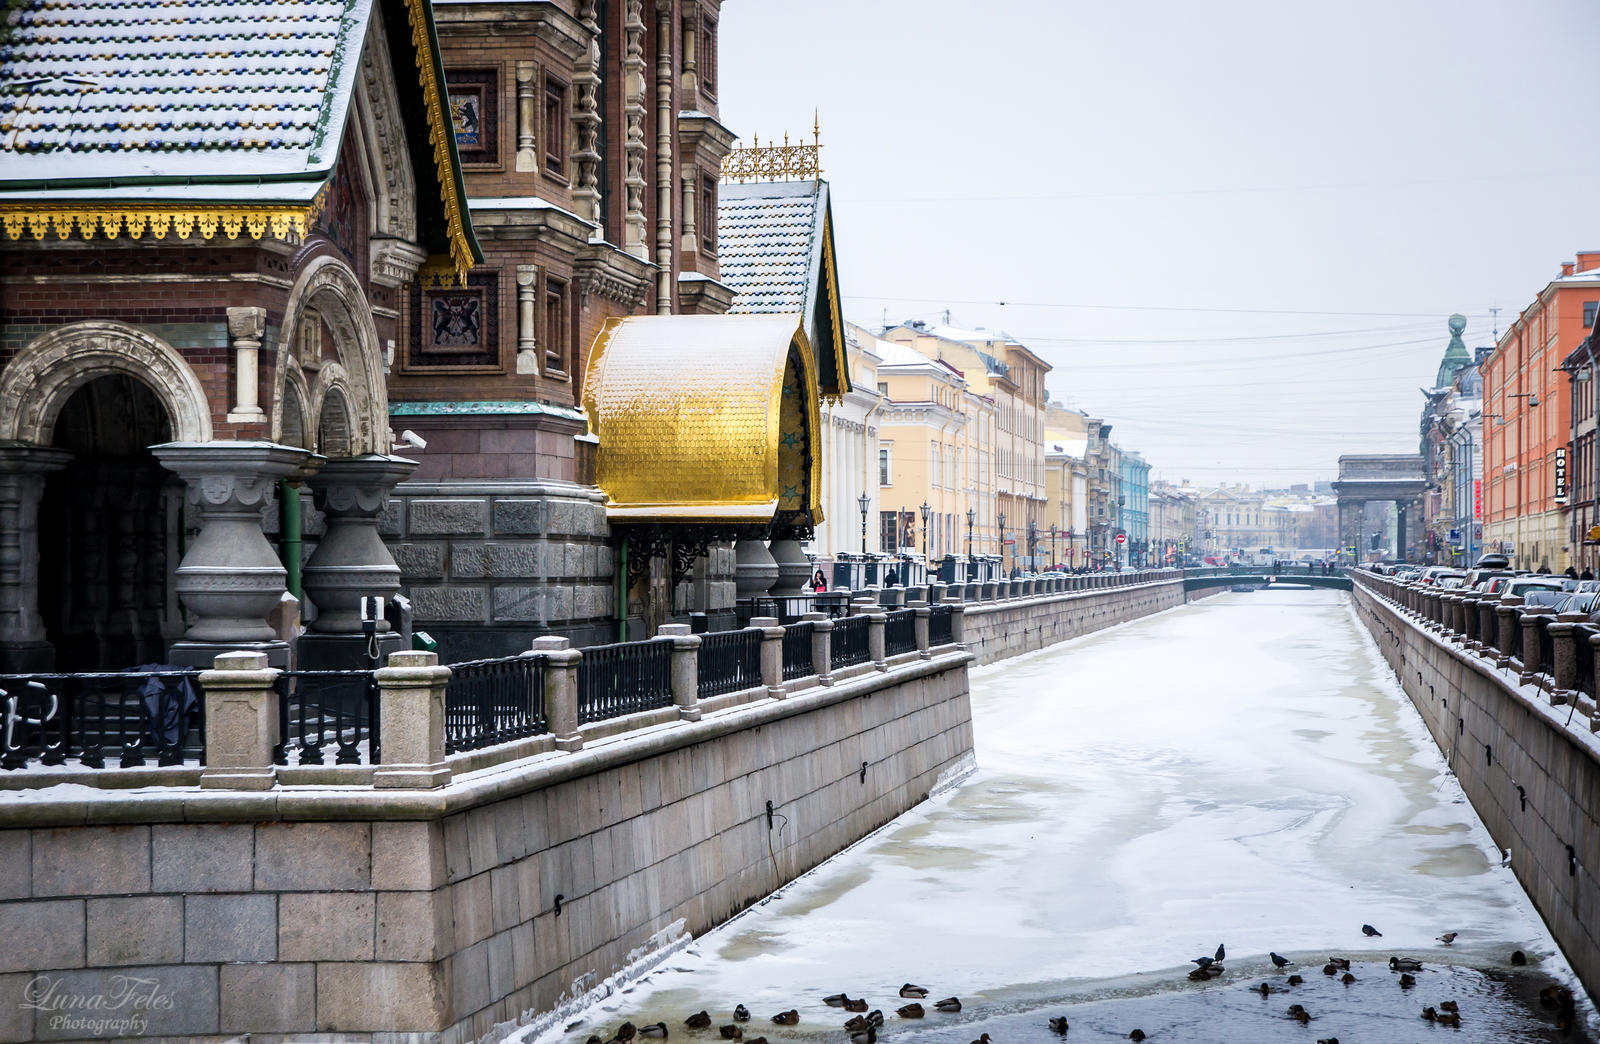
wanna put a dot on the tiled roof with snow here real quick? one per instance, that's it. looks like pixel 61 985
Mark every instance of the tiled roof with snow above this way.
pixel 194 89
pixel 769 236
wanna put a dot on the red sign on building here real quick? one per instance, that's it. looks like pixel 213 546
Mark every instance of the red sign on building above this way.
pixel 1477 498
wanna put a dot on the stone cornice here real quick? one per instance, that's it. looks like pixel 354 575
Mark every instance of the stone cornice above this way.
pixel 546 21
pixel 615 274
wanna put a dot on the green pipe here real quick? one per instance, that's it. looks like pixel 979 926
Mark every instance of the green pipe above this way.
pixel 289 533
pixel 622 593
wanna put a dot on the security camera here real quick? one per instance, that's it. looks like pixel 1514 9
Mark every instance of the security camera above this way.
pixel 411 440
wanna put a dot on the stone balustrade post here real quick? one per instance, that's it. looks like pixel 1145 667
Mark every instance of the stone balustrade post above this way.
pixel 958 626
pixel 1508 628
pixel 685 668
pixel 1534 617
pixel 1489 628
pixel 411 722
pixel 821 647
pixel 561 690
pixel 1564 651
pixel 876 622
pixel 936 593
pixel 921 628
pixel 1469 619
pixel 771 654
pixel 241 706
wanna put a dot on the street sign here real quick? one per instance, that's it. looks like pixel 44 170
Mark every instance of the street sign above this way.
pixel 1122 538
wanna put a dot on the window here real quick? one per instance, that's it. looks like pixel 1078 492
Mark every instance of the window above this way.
pixel 708 214
pixel 557 327
pixel 883 389
pixel 883 466
pixel 1588 313
pixel 888 531
pixel 707 58
pixel 555 127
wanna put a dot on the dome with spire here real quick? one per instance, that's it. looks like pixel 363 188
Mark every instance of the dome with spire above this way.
pixel 1456 357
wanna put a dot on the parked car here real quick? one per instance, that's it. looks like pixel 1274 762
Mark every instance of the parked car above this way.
pixel 1452 583
pixel 1493 560
pixel 1521 585
pixel 1433 574
pixel 1553 599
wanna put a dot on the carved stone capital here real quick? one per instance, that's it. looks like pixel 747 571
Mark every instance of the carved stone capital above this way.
pixel 247 324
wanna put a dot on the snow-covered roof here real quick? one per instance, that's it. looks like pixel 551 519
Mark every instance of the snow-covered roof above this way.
pixel 893 353
pixel 1072 446
pixel 775 252
pixel 176 88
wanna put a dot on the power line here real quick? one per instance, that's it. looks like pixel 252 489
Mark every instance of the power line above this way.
pixel 1152 308
pixel 1243 190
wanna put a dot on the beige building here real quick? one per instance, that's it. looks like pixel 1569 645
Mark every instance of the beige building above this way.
pixel 1011 378
pixel 1242 522
pixel 850 457
pixel 1174 521
pixel 1066 498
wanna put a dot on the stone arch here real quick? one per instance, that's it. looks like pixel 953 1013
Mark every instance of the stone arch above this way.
pixel 328 290
pixel 43 376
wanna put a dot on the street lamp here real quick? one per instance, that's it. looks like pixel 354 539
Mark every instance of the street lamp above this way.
pixel 1053 561
pixel 1033 545
pixel 972 517
pixel 865 502
pixel 1000 539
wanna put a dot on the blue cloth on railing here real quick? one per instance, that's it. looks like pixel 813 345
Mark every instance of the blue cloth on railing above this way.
pixel 170 703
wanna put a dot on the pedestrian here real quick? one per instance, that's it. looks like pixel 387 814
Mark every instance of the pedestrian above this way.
pixel 818 583
pixel 1572 573
pixel 1544 568
pixel 891 578
pixel 1587 574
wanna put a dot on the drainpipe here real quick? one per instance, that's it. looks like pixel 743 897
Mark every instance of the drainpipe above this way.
pixel 289 534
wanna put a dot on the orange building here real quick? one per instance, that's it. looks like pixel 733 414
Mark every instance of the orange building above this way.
pixel 1527 422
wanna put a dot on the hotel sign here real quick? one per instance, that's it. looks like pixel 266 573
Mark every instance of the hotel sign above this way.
pixel 1561 475
pixel 1477 498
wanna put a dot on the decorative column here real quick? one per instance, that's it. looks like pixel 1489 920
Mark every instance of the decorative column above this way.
pixel 665 285
pixel 527 117
pixel 23 646
pixel 245 327
pixel 586 123
pixel 633 146
pixel 794 568
pixel 560 690
pixel 241 706
pixel 230 579
pixel 689 242
pixel 689 79
pixel 754 569
pixel 411 722
pixel 876 621
pixel 528 319
pixel 685 668
pixel 351 561
pixel 771 654
pixel 958 626
pixel 921 627
pixel 1507 629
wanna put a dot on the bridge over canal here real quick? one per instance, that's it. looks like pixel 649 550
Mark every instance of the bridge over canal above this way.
pixel 1227 576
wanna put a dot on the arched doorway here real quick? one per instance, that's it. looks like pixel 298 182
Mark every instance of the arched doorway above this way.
pixel 108 529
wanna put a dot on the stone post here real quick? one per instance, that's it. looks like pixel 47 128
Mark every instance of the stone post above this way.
pixel 1469 619
pixel 351 561
pixel 241 722
pixel 246 327
pixel 876 621
pixel 1564 649
pixel 230 578
pixel 771 654
pixel 560 690
pixel 936 593
pixel 411 722
pixel 821 647
pixel 794 568
pixel 685 668
pixel 1507 628
pixel 23 646
pixel 1533 617
pixel 1488 628
pixel 754 568
pixel 958 626
pixel 921 627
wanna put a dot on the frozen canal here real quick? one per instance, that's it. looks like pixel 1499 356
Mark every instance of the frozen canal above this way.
pixel 1239 771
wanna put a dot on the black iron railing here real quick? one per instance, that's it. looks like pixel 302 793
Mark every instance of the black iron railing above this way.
pixel 900 632
pixel 624 678
pixel 327 711
pixel 797 651
pixel 130 717
pixel 849 643
pixel 730 661
pixel 1584 654
pixel 494 701
pixel 1547 645
pixel 941 629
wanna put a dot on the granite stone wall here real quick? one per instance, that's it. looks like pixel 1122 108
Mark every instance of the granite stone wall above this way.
pixel 405 917
pixel 1533 779
pixel 996 630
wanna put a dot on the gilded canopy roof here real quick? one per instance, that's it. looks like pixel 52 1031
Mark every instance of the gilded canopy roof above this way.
pixel 691 415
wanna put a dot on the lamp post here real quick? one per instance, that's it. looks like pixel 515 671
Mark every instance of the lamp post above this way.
pixel 1053 562
pixel 1033 545
pixel 865 502
pixel 927 559
pixel 1000 539
pixel 972 517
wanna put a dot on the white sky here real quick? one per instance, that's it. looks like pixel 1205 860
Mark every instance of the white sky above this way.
pixel 1144 182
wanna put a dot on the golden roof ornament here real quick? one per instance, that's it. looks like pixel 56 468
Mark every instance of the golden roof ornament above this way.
pixel 786 162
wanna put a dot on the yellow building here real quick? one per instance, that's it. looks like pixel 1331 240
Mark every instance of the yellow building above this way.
pixel 1011 379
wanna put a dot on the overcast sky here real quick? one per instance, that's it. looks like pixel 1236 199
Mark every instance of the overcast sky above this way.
pixel 1236 229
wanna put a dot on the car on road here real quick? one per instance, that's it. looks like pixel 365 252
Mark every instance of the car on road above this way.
pixel 1522 585
pixel 1433 574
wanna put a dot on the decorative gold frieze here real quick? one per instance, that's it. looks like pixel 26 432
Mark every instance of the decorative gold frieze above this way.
pixel 63 220
pixel 773 162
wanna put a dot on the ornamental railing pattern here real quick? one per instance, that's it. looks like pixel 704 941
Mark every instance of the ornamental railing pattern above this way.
pixel 131 718
pixel 494 701
pixel 773 162
pixel 941 629
pixel 624 678
pixel 729 661
pixel 797 651
pixel 849 643
pixel 900 632
pixel 327 712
